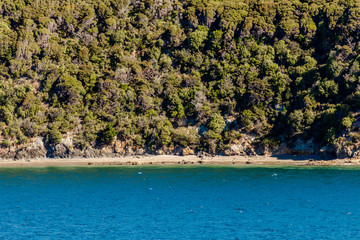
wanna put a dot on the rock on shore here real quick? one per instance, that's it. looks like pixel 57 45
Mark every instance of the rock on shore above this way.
pixel 246 145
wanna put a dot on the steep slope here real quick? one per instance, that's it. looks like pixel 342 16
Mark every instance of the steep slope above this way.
pixel 104 77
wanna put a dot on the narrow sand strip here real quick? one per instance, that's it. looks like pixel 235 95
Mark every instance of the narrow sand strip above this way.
pixel 181 160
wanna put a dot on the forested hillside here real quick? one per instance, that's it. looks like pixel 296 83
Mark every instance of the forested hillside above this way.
pixel 164 75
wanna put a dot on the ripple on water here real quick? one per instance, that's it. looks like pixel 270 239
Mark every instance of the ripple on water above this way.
pixel 180 203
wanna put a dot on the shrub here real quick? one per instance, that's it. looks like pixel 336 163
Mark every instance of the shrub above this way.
pixel 5 143
pixel 347 122
pixel 185 136
pixel 198 37
pixel 107 135
pixel 53 136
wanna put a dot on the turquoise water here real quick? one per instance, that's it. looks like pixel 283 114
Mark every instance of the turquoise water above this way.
pixel 180 203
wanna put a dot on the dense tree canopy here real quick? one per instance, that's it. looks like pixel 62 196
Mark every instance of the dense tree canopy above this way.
pixel 187 73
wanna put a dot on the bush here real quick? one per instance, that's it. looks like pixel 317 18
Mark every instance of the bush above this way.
pixel 217 124
pixel 271 142
pixel 347 122
pixel 185 136
pixel 107 135
pixel 198 37
pixel 5 143
pixel 53 136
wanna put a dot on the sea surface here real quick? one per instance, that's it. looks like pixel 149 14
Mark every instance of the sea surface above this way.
pixel 204 202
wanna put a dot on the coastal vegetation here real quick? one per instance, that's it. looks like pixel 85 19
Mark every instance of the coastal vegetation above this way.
pixel 175 74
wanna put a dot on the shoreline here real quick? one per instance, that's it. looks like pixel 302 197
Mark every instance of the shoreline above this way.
pixel 287 160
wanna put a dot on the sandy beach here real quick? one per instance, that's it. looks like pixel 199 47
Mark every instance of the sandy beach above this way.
pixel 181 160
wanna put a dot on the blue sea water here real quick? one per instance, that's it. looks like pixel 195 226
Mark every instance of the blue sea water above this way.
pixel 180 203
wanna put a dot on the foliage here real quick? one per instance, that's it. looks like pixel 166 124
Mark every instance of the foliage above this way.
pixel 153 71
pixel 5 143
pixel 107 135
